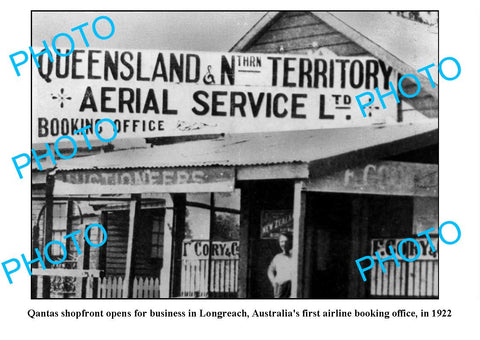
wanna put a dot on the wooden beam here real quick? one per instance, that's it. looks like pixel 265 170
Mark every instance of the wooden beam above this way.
pixel 136 231
pixel 277 171
pixel 34 282
pixel 69 227
pixel 209 207
pixel 86 263
pixel 47 236
pixel 130 240
pixel 358 235
pixel 244 251
pixel 66 272
pixel 105 200
pixel 181 139
pixel 167 250
pixel 309 262
pixel 210 240
pixel 102 257
pixel 178 235
pixel 298 250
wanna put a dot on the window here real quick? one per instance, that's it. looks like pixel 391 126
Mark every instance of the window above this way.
pixel 59 228
pixel 210 248
pixel 157 237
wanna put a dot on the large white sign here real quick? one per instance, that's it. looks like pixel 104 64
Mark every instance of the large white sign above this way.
pixel 156 93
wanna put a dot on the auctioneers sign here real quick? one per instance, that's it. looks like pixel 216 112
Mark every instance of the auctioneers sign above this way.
pixel 202 179
pixel 156 93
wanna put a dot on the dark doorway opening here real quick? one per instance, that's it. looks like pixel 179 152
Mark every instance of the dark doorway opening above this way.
pixel 329 219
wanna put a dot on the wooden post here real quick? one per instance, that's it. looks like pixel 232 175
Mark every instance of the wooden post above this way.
pixel 355 234
pixel 101 264
pixel 69 227
pixel 359 246
pixel 178 235
pixel 363 243
pixel 298 250
pixel 309 260
pixel 167 249
pixel 86 265
pixel 210 236
pixel 47 236
pixel 243 265
pixel 68 245
pixel 34 280
pixel 128 279
pixel 102 257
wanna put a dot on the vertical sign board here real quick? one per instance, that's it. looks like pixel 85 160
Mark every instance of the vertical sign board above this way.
pixel 163 93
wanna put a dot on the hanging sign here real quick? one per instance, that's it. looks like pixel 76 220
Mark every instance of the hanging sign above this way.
pixel 203 179
pixel 203 249
pixel 150 93
pixel 275 222
pixel 382 178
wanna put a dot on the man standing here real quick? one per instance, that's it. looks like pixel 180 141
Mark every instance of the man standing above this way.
pixel 280 269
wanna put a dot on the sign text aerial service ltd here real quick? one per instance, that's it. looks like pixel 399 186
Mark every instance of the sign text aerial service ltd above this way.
pixel 166 93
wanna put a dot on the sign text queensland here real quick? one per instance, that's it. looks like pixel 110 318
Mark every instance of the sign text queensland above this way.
pixel 157 93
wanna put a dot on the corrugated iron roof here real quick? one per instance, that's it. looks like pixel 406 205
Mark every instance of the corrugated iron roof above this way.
pixel 252 149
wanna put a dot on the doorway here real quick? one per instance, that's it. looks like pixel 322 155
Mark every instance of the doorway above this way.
pixel 329 242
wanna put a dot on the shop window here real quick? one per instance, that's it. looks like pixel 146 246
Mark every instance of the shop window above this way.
pixel 197 223
pixel 59 228
pixel 197 217
pixel 210 249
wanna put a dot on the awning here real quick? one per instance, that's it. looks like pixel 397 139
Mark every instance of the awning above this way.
pixel 254 149
pixel 215 165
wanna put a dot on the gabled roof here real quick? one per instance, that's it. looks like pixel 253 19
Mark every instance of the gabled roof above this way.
pixel 373 34
pixel 414 43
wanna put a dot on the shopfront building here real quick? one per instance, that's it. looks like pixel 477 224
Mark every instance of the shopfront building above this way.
pixel 201 218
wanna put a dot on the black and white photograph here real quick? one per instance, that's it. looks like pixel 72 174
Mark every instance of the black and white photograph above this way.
pixel 235 154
